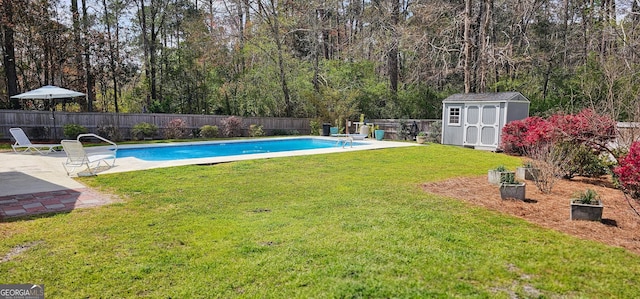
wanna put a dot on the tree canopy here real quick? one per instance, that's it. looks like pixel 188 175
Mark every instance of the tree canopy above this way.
pixel 323 58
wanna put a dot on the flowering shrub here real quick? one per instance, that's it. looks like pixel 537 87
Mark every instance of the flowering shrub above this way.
pixel 177 128
pixel 513 135
pixel 586 127
pixel 628 171
pixel 232 126
pixel 519 135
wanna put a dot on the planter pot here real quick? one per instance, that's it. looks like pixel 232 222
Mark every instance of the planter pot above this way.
pixel 364 130
pixel 580 211
pixel 421 139
pixel 512 191
pixel 495 177
pixel 379 134
pixel 526 173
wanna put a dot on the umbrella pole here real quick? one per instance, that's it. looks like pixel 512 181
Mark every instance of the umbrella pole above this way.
pixel 55 129
pixel 53 116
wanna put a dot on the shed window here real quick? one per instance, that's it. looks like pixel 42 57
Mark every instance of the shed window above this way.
pixel 454 116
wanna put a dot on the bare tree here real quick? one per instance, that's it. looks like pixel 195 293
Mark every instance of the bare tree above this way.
pixel 7 22
pixel 548 161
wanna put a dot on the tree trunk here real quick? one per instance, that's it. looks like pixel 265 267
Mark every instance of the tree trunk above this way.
pixel 283 77
pixel 467 46
pixel 90 79
pixel 112 55
pixel 393 51
pixel 9 58
pixel 272 19
pixel 79 63
pixel 484 45
pixel 142 19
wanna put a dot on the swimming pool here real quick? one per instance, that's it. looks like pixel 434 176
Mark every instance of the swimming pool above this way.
pixel 165 152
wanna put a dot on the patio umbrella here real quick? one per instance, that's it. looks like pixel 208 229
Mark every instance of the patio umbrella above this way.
pixel 49 92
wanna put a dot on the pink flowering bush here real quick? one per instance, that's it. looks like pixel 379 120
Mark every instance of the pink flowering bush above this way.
pixel 232 126
pixel 586 127
pixel 177 128
pixel 628 170
pixel 519 135
pixel 579 139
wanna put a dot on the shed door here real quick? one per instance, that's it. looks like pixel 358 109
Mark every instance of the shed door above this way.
pixel 481 126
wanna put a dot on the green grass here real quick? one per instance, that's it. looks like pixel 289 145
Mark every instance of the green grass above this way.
pixel 353 225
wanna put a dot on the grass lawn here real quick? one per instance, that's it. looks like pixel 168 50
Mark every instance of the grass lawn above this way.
pixel 353 225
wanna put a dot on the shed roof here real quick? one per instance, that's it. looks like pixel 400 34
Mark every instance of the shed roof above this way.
pixel 487 97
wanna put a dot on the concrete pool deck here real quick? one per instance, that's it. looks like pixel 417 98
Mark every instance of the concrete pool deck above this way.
pixel 34 183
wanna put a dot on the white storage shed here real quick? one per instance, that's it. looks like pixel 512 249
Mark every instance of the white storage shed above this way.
pixel 476 119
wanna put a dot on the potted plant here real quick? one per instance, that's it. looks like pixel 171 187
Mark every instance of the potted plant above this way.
pixel 510 188
pixel 495 175
pixel 586 206
pixel 421 137
pixel 527 172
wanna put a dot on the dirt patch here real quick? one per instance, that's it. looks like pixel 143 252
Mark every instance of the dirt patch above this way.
pixel 620 225
pixel 15 251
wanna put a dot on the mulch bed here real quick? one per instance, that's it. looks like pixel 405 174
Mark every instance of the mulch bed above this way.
pixel 620 225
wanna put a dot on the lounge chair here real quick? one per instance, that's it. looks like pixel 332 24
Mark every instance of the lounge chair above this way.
pixel 23 142
pixel 77 157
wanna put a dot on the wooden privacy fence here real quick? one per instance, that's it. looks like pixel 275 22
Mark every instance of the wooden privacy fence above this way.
pixel 44 125
pixel 392 127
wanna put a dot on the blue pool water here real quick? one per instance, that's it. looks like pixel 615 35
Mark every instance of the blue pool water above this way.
pixel 219 149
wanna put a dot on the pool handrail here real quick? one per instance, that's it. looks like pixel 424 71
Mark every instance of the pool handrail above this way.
pixel 99 137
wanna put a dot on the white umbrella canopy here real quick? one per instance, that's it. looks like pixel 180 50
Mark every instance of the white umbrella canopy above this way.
pixel 48 92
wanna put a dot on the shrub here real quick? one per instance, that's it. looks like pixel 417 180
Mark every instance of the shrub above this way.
pixel 281 132
pixel 404 130
pixel 256 130
pixel 520 134
pixel 232 126
pixel 628 170
pixel 208 131
pixel 144 130
pixel 39 132
pixel 110 132
pixel 587 197
pixel 500 168
pixel 586 127
pixel 176 128
pixel 435 132
pixel 315 127
pixel 72 131
pixel 582 160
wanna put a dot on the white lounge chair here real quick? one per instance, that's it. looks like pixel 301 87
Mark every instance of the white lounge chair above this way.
pixel 24 144
pixel 77 157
